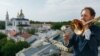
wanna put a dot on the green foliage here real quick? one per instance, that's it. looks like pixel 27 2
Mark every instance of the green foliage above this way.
pixel 55 25
pixel 2 42
pixel 10 48
pixel 2 25
pixel 2 35
pixel 58 25
pixel 36 22
pixel 21 44
pixel 97 23
pixel 31 31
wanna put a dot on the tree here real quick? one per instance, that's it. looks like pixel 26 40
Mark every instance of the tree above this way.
pixel 57 25
pixel 97 23
pixel 21 44
pixel 31 31
pixel 2 24
pixel 2 42
pixel 8 49
pixel 2 35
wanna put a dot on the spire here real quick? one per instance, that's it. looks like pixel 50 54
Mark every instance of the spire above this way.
pixel 7 16
pixel 21 11
pixel 21 15
pixel 7 20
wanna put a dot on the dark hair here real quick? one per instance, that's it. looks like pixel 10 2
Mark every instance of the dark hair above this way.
pixel 92 11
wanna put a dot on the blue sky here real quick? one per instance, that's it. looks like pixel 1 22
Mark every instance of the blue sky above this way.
pixel 47 10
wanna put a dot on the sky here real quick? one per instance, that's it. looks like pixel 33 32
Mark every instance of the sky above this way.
pixel 47 10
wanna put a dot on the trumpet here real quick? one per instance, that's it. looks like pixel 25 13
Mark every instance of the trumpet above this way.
pixel 78 27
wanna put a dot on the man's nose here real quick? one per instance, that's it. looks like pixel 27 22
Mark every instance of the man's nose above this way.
pixel 82 17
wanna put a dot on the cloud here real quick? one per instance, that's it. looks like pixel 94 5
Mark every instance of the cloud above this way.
pixel 3 3
pixel 47 10
pixel 60 10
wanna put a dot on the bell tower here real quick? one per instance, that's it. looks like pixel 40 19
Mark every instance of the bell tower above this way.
pixel 7 20
pixel 21 15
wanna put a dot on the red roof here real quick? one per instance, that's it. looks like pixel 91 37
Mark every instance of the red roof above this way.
pixel 25 35
pixel 12 32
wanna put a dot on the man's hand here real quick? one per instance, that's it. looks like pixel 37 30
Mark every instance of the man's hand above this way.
pixel 85 24
pixel 66 37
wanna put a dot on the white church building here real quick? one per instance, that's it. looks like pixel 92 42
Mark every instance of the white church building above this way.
pixel 16 23
pixel 15 28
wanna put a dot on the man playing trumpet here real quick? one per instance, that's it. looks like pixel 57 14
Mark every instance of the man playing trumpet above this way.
pixel 86 43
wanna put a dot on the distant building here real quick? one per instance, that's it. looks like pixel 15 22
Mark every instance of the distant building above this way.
pixel 17 23
pixel 15 28
pixel 41 27
pixel 42 48
pixel 24 36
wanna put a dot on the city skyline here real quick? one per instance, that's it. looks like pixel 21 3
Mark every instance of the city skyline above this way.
pixel 47 10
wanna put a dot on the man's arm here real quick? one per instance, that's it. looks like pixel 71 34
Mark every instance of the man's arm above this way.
pixel 71 41
pixel 96 32
pixel 97 36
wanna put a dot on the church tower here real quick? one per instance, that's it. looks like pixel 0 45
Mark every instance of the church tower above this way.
pixel 7 20
pixel 21 15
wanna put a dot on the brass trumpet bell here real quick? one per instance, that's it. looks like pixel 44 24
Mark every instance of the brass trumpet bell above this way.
pixel 77 27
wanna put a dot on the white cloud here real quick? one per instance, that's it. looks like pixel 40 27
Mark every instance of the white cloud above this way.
pixel 59 10
pixel 4 3
pixel 47 10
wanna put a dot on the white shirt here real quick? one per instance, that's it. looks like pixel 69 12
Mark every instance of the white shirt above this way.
pixel 87 34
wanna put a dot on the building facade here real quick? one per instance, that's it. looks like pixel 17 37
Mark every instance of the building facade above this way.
pixel 18 23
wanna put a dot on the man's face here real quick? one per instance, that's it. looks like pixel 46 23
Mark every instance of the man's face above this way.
pixel 85 15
